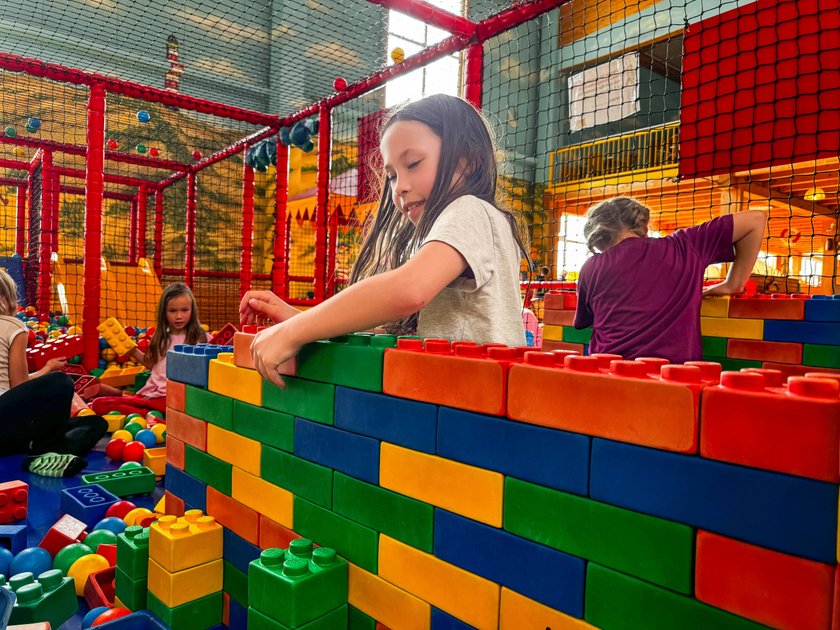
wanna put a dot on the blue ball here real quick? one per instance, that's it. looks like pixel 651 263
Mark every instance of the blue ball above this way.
pixel 6 557
pixel 32 560
pixel 299 134
pixel 143 116
pixel 147 437
pixel 103 343
pixel 35 123
pixel 88 619
pixel 111 523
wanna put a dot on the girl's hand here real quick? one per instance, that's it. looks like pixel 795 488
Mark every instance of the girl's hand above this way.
pixel 54 365
pixel 271 348
pixel 262 308
pixel 721 288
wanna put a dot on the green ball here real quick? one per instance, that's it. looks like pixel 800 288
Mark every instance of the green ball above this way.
pixel 100 537
pixel 142 148
pixel 11 132
pixel 65 558
pixel 128 465
pixel 132 416
pixel 133 428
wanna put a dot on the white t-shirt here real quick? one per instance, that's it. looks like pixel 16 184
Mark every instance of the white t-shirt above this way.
pixel 483 305
pixel 10 327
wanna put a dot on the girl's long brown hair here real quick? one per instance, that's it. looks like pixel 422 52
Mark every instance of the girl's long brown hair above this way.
pixel 467 139
pixel 161 338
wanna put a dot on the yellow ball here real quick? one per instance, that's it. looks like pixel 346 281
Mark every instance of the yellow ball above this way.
pixel 55 334
pixel 136 514
pixel 86 412
pixel 139 420
pixel 108 354
pixel 398 55
pixel 122 434
pixel 158 430
pixel 81 569
pixel 74 330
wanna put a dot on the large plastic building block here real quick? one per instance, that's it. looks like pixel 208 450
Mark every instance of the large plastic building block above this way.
pixel 176 396
pixel 113 332
pixel 305 399
pixel 795 430
pixel 186 487
pixel 237 618
pixel 517 611
pixel 175 453
pixel 14 501
pixel 459 488
pixel 264 425
pixel 99 589
pixel 191 364
pixel 300 477
pixel 383 417
pixel 789 514
pixel 823 308
pixel 211 470
pixel 295 590
pixel 653 549
pixel 181 543
pixel 235 582
pixel 133 552
pixel 772 588
pixel 52 598
pixel 764 350
pixel 626 404
pixel 545 456
pixel 242 351
pixel 550 346
pixel 155 460
pixel 461 594
pixel 552 332
pixel 262 497
pixel 86 385
pixel 444 621
pixel 87 503
pixel 788 370
pixel 173 506
pixel 115 376
pixel 180 587
pixel 239 552
pixel 242 384
pixel 234 515
pixel 474 547
pixel 62 347
pixel 715 307
pixel 573 335
pixel 356 543
pixel 123 482
pixel 139 620
pixel 334 620
pixel 66 531
pixel 615 600
pixel 209 406
pixel 186 428
pixel 821 356
pixel 554 317
pixel 355 455
pixel 234 449
pixel 131 592
pixel 201 614
pixel 224 336
pixel 352 361
pixel 468 377
pixel 382 600
pixel 776 306
pixel 275 535
pixel 560 300
pixel 732 328
pixel 13 538
pixel 714 346
pixel 357 620
pixel 803 332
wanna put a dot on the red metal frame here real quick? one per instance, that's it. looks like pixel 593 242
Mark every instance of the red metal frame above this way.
pixel 20 220
pixel 158 259
pixel 189 245
pixel 45 246
pixel 431 15
pixel 474 74
pixel 323 198
pixel 142 201
pixel 132 232
pixel 247 227
pixel 280 266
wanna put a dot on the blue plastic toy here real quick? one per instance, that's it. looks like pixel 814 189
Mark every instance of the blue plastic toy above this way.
pixel 112 523
pixel 143 116
pixel 33 560
pixel 90 617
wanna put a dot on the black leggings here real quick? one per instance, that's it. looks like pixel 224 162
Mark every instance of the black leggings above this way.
pixel 35 418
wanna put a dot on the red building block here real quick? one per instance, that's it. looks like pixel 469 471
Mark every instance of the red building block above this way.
pixel 66 531
pixel 549 345
pixel 789 370
pixel 175 452
pixel 174 505
pixel 63 346
pixel 275 535
pixel 775 351
pixel 184 427
pixel 225 335
pixel 242 351
pixel 239 518
pixel 777 306
pixel 554 317
pixel 14 501
pixel 99 588
pixel 793 430
pixel 87 387
pixel 770 587
pixel 176 396
pixel 560 300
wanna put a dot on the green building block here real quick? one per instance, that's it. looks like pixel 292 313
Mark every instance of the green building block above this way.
pixel 651 548
pixel 301 398
pixel 300 477
pixel 396 515
pixel 209 406
pixel 821 356
pixel 211 470
pixel 615 600
pixel 733 365
pixel 264 425
pixel 51 598
pixel 357 543
pixel 713 346
pixel 133 552
pixel 333 620
pixel 352 360
pixel 124 482
pixel 140 381
pixel 235 583
pixel 295 590
pixel 131 592
pixel 201 614
pixel 357 620
pixel 573 335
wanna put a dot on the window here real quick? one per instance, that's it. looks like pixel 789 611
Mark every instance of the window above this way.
pixel 440 77
pixel 571 246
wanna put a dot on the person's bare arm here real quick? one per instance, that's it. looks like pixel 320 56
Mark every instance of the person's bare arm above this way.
pixel 747 236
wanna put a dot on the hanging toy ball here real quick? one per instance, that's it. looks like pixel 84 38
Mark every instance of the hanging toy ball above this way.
pixel 196 155
pixel 398 55
pixel 340 84
pixel 143 116
pixel 299 134
pixel 154 152
pixel 34 123
pixel 112 144
pixel 141 148
pixel 285 139
pixel 11 132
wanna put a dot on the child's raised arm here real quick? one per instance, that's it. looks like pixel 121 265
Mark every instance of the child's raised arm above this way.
pixel 747 236
pixel 255 304
pixel 18 371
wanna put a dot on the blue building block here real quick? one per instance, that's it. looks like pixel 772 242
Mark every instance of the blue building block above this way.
pixel 237 616
pixel 141 620
pixel 826 333
pixel 403 422
pixel 546 575
pixel 191 364
pixel 13 537
pixel 444 621
pixel 352 454
pixel 548 457
pixel 790 514
pixel 823 308
pixel 238 551
pixel 186 487
pixel 87 503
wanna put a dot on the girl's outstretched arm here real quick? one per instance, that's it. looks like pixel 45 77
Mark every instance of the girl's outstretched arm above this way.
pixel 361 306
pixel 258 306
pixel 747 236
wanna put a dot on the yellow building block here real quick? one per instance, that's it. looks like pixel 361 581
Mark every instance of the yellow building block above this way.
pixel 115 421
pixel 178 543
pixel 732 328
pixel 465 490
pixel 714 307
pixel 113 332
pixel 118 603
pixel 518 612
pixel 462 594
pixel 229 380
pixel 259 495
pixel 174 589
pixel 552 333
pixel 155 458
pixel 234 449
pixel 386 603
pixel 120 377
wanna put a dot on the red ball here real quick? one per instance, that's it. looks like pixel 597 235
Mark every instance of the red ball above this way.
pixel 131 331
pixel 120 509
pixel 133 451
pixel 113 144
pixel 196 155
pixel 154 152
pixel 115 448
pixel 143 345
pixel 114 613
pixel 150 331
pixel 340 84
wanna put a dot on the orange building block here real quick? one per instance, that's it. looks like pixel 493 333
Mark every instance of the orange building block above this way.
pixel 776 351
pixel 189 430
pixel 551 346
pixel 795 430
pixel 232 514
pixel 773 588
pixel 789 370
pixel 517 612
pixel 560 300
pixel 467 377
pixel 778 306
pixel 175 452
pixel 627 405
pixel 242 352
pixel 173 505
pixel 553 317
pixel 176 396
pixel 275 535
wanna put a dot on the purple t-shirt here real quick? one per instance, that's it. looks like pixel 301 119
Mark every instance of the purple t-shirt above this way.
pixel 642 296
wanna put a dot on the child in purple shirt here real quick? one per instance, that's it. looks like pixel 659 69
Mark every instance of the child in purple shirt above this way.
pixel 642 295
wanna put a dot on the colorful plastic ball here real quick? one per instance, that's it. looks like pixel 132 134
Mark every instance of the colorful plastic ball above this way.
pixel 91 616
pixel 137 418
pixel 133 451
pixel 130 465
pixel 87 411
pixel 114 613
pixel 112 144
pixel 143 344
pixel 31 560
pixel 122 434
pixel 154 152
pixel 133 428
pixel 120 509
pixel 30 130
pixel 83 567
pixel 115 448
pixel 155 414
pixel 34 122
pixel 108 354
pixel 6 558
pixel 147 438
pixel 143 116
pixel 160 433
pixel 65 558
pixel 141 148
pixel 136 515
pixel 19 151
pixel 398 55
pixel 340 84
pixel 100 537
pixel 111 523
pixel 196 155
